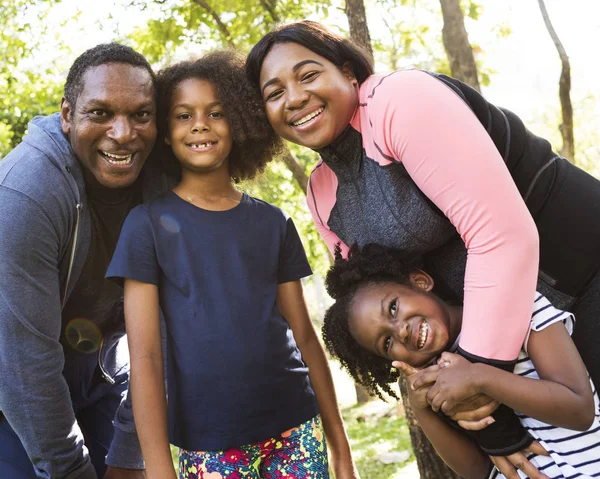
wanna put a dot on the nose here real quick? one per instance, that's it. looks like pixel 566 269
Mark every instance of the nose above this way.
pixel 200 124
pixel 402 332
pixel 121 130
pixel 297 97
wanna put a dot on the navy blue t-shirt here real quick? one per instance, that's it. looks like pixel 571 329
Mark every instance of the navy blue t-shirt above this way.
pixel 234 373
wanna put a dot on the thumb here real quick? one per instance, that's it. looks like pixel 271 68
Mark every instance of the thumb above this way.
pixel 404 368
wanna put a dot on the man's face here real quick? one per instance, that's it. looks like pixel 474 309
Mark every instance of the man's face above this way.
pixel 112 127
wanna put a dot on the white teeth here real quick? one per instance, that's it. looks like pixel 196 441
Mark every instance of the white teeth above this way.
pixel 202 146
pixel 117 159
pixel 307 118
pixel 423 332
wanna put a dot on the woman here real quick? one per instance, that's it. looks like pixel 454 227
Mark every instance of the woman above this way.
pixel 422 162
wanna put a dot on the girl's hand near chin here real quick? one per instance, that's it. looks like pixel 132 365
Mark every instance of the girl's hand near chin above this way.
pixel 416 396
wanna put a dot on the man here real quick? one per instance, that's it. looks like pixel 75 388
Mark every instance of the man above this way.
pixel 64 194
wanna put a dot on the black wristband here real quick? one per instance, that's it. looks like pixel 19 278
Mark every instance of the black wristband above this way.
pixel 506 435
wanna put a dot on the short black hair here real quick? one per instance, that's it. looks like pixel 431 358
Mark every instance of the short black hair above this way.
pixel 314 36
pixel 365 266
pixel 254 141
pixel 101 55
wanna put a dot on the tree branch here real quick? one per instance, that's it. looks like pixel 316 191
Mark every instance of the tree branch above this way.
pixel 566 128
pixel 217 19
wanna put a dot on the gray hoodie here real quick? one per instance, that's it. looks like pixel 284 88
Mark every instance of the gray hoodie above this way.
pixel 45 234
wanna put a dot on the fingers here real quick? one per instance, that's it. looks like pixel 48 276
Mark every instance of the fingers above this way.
pixel 505 467
pixel 426 377
pixel 519 461
pixel 404 368
pixel 477 414
pixel 537 448
pixel 477 425
pixel 449 357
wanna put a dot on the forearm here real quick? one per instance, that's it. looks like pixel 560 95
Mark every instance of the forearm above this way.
pixel 322 382
pixel 456 449
pixel 150 412
pixel 546 401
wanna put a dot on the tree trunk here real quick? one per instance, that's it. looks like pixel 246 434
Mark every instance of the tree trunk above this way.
pixel 296 168
pixel 357 20
pixel 564 90
pixel 456 44
pixel 430 464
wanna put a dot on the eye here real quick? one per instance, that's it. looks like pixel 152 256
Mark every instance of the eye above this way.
pixel 143 116
pixel 310 76
pixel 183 116
pixel 387 342
pixel 393 308
pixel 274 95
pixel 99 113
pixel 217 115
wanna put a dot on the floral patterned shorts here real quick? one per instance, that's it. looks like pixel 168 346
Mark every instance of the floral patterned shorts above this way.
pixel 300 453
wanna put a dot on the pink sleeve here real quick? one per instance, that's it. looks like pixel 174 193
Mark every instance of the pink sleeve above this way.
pixel 451 158
pixel 320 197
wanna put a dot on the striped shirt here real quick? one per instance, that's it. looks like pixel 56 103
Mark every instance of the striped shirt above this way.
pixel 573 454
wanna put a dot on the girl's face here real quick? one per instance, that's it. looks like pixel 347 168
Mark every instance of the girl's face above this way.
pixel 308 100
pixel 403 323
pixel 199 133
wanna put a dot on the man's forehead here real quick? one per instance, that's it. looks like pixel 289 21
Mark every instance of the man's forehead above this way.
pixel 112 79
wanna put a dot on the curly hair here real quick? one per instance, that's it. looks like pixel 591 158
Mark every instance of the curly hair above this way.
pixel 314 36
pixel 254 141
pixel 365 266
pixel 101 55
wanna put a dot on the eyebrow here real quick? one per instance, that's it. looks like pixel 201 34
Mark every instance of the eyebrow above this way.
pixel 103 104
pixel 295 68
pixel 187 105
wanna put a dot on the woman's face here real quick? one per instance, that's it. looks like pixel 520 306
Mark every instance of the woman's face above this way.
pixel 308 100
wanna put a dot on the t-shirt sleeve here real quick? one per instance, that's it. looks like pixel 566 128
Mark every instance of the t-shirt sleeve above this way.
pixel 544 315
pixel 293 263
pixel 453 161
pixel 135 254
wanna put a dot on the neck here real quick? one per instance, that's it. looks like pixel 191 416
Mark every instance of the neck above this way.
pixel 208 190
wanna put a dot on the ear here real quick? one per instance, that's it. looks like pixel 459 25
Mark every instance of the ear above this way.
pixel 348 72
pixel 65 116
pixel 167 140
pixel 420 279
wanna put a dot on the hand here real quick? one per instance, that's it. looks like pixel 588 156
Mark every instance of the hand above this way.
pixel 476 415
pixel 456 382
pixel 508 465
pixel 416 396
pixel 120 473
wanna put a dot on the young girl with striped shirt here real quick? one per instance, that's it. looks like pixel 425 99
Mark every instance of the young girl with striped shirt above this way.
pixel 387 313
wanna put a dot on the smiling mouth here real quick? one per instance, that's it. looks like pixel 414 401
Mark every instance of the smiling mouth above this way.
pixel 307 118
pixel 201 146
pixel 423 333
pixel 116 159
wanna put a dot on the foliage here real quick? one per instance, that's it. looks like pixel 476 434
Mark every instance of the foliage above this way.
pixel 26 92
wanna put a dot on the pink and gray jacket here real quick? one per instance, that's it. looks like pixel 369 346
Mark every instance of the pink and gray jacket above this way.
pixel 428 166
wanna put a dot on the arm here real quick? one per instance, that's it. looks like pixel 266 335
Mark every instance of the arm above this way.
pixel 459 452
pixel 451 158
pixel 36 399
pixel 291 303
pixel 142 318
pixel 320 198
pixel 561 397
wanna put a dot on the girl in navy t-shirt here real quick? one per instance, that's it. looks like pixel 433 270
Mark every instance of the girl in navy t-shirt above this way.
pixel 245 395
